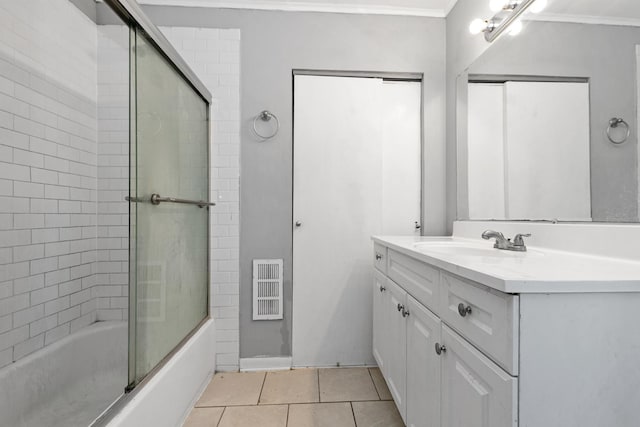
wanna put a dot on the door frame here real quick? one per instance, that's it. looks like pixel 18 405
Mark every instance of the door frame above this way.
pixel 384 75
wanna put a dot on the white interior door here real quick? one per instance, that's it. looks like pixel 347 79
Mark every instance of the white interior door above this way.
pixel 400 110
pixel 522 136
pixel 345 177
pixel 547 129
pixel 486 184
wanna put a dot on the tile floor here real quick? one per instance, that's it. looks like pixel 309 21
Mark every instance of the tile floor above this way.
pixel 342 397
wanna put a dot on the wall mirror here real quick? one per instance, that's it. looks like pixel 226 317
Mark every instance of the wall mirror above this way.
pixel 548 119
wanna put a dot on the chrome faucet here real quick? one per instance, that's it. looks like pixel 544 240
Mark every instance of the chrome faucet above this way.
pixel 506 244
pixel 501 241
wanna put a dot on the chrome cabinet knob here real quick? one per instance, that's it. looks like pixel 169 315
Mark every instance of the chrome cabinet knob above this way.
pixel 378 256
pixel 440 349
pixel 382 288
pixel 405 313
pixel 298 224
pixel 400 307
pixel 463 311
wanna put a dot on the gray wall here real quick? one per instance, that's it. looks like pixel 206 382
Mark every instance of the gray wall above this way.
pixel 274 44
pixel 607 56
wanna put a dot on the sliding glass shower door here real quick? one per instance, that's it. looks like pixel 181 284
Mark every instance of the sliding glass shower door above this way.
pixel 169 225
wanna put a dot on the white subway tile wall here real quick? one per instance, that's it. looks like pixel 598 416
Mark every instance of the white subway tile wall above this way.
pixel 214 55
pixel 63 219
pixel 111 289
pixel 48 174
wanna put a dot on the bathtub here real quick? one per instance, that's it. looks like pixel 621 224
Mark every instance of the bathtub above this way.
pixel 68 383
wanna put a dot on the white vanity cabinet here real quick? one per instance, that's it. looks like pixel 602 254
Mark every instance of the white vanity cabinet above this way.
pixel 537 339
pixel 475 391
pixel 380 320
pixel 423 384
pixel 396 337
pixel 435 375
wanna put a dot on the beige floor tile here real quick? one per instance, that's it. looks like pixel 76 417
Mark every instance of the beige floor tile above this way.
pixel 321 415
pixel 295 386
pixel 377 414
pixel 346 384
pixel 204 417
pixel 255 416
pixel 233 389
pixel 380 383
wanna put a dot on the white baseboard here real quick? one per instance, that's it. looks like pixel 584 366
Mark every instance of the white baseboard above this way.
pixel 265 364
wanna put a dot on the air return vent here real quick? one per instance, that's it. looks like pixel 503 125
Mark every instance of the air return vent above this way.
pixel 267 289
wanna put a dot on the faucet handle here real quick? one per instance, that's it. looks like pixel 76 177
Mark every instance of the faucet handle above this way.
pixel 518 240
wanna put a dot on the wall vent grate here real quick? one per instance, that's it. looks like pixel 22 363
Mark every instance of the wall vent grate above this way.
pixel 267 289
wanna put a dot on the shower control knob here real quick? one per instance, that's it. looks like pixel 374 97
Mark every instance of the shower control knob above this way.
pixel 298 224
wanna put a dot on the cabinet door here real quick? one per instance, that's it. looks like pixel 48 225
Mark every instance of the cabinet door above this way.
pixel 423 366
pixel 380 322
pixel 475 391
pixel 397 350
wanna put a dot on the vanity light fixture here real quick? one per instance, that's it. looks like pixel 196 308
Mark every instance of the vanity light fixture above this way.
pixel 498 5
pixel 481 25
pixel 516 28
pixel 506 17
pixel 539 5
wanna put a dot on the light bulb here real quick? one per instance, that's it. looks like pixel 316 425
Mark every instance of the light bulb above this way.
pixel 477 26
pixel 538 6
pixel 497 5
pixel 515 28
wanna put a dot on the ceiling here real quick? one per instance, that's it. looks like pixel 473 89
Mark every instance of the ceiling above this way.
pixel 433 8
pixel 622 12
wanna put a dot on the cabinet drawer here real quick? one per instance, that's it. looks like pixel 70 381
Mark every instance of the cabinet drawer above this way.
pixel 380 257
pixel 487 318
pixel 475 391
pixel 417 278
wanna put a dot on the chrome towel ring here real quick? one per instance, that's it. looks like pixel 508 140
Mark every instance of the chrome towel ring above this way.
pixel 266 116
pixel 614 123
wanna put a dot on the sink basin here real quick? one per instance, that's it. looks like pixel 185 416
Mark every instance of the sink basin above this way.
pixel 462 249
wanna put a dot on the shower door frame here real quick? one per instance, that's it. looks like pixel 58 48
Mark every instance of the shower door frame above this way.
pixel 133 16
pixel 131 13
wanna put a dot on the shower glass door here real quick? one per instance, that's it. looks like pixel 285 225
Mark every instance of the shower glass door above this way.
pixel 169 239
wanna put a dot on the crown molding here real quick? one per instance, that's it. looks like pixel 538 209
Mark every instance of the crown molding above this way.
pixel 297 6
pixel 449 7
pixel 585 19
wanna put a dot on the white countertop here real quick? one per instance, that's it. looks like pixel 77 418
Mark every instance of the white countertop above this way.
pixel 539 270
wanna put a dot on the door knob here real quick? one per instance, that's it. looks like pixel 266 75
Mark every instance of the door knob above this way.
pixel 298 224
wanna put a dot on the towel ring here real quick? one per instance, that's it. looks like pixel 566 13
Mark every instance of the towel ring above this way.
pixel 613 124
pixel 266 116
